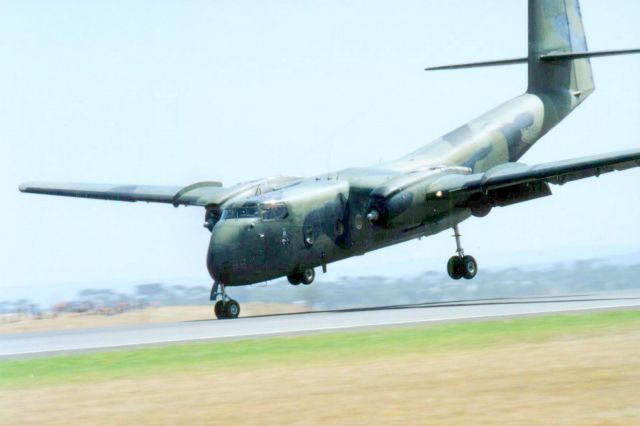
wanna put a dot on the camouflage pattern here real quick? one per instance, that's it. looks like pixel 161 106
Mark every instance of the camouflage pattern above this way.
pixel 403 192
pixel 555 89
pixel 274 227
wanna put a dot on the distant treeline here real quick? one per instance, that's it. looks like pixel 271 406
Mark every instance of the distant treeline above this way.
pixel 579 277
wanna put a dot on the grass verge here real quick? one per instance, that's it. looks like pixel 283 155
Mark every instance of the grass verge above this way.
pixel 305 350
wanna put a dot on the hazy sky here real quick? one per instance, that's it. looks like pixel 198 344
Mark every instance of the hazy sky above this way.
pixel 174 92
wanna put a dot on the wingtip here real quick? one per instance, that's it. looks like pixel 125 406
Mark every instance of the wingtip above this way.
pixel 23 187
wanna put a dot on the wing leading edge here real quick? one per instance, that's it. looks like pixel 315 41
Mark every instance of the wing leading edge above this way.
pixel 196 194
pixel 518 175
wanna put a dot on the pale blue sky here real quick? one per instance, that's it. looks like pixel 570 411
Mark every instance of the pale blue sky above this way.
pixel 173 92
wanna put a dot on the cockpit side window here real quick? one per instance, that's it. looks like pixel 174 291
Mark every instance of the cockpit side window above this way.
pixel 248 212
pixel 274 211
pixel 244 212
pixel 229 213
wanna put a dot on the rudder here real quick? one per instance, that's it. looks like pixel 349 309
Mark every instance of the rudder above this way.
pixel 555 27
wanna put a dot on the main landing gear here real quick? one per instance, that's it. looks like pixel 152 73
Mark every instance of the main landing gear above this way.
pixel 461 266
pixel 226 307
pixel 305 277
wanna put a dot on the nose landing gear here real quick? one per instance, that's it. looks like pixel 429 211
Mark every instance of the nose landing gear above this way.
pixel 226 307
pixel 461 266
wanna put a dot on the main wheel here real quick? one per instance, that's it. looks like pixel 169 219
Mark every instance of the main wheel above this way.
pixel 454 267
pixel 218 309
pixel 469 267
pixel 308 275
pixel 232 309
pixel 294 279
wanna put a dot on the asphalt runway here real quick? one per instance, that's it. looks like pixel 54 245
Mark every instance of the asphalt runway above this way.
pixel 69 341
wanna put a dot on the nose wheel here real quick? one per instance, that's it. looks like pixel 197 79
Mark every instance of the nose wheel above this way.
pixel 461 266
pixel 226 307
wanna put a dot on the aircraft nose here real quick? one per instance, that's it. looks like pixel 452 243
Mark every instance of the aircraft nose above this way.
pixel 222 246
pixel 218 264
pixel 231 258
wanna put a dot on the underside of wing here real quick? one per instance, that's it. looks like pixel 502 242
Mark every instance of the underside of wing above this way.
pixel 131 193
pixel 198 194
pixel 511 183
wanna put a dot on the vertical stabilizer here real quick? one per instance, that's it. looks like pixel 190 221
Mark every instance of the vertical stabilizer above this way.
pixel 560 79
pixel 555 27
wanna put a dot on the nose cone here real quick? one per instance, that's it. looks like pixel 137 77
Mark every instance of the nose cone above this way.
pixel 236 253
pixel 218 263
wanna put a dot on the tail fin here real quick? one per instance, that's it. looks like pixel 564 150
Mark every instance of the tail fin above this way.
pixel 556 34
pixel 560 79
pixel 555 28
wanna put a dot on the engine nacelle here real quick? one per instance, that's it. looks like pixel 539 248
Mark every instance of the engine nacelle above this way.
pixel 382 210
pixel 480 204
pixel 401 202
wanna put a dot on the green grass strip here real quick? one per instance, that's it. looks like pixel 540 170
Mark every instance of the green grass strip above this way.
pixel 306 350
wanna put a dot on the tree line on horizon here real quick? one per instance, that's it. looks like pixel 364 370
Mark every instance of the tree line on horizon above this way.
pixel 354 292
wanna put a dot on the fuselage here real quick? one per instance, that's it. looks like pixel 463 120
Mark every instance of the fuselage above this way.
pixel 316 221
pixel 311 222
pixel 272 227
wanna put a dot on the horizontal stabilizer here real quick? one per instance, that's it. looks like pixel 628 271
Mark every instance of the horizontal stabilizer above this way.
pixel 585 55
pixel 479 64
pixel 551 57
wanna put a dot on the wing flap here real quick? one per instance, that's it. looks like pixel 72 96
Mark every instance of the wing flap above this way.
pixel 561 172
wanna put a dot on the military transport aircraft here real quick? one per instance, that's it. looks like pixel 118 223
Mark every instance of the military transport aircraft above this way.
pixel 287 226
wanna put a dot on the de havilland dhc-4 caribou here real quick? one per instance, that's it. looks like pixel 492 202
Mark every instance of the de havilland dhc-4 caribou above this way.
pixel 287 226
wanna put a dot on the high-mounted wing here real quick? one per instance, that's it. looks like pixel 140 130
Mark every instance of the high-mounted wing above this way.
pixel 515 182
pixel 198 194
pixel 176 195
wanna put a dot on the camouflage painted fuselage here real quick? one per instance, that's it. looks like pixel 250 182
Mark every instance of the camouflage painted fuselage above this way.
pixel 326 218
pixel 285 226
pixel 327 214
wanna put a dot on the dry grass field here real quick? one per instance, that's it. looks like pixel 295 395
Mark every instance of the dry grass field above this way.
pixel 161 314
pixel 587 377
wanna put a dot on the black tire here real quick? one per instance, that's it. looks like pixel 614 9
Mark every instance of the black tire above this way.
pixel 469 267
pixel 218 309
pixel 308 275
pixel 454 267
pixel 232 309
pixel 294 279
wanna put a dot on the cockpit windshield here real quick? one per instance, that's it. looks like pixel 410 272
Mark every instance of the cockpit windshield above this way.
pixel 243 212
pixel 274 211
pixel 266 211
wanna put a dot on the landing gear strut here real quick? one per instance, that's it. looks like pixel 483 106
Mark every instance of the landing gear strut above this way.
pixel 461 266
pixel 226 307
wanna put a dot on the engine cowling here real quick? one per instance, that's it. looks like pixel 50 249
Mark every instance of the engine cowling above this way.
pixel 402 201
pixel 382 210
